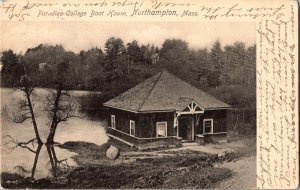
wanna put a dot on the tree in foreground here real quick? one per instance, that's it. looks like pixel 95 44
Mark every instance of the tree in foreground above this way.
pixel 25 107
pixel 60 105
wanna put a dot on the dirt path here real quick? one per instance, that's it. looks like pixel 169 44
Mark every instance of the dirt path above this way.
pixel 244 169
pixel 244 174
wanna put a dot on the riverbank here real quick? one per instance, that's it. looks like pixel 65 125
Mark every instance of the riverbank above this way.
pixel 174 168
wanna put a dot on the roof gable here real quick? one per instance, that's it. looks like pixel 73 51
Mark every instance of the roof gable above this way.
pixel 187 105
pixel 163 92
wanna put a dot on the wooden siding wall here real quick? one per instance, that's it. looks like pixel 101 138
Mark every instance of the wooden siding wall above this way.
pixel 145 123
pixel 122 119
pixel 219 121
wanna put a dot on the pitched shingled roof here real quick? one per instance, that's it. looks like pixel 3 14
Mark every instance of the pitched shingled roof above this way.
pixel 163 92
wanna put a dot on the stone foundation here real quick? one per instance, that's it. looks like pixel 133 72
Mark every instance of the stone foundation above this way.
pixel 199 139
pixel 215 138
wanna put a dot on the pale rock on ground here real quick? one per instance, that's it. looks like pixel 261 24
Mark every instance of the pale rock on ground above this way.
pixel 112 152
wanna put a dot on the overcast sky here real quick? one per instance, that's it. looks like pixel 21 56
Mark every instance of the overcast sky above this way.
pixel 76 36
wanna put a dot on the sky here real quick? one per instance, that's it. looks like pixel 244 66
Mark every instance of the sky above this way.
pixel 76 36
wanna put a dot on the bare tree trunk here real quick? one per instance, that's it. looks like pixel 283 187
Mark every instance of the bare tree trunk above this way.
pixel 52 160
pixel 54 119
pixel 50 139
pixel 33 120
pixel 36 159
pixel 61 107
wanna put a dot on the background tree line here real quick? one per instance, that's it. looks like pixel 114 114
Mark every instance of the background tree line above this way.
pixel 227 73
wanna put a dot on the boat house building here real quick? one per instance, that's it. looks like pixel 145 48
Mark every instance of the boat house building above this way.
pixel 164 110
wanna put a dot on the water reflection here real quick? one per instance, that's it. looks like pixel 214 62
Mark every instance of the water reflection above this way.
pixel 37 161
pixel 17 159
pixel 56 164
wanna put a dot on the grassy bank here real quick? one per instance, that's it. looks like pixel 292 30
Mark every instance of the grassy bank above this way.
pixel 180 169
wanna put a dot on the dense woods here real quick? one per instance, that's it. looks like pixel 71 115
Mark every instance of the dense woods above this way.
pixel 227 72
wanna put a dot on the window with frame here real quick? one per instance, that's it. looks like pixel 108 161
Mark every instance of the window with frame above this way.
pixel 132 127
pixel 207 126
pixel 161 129
pixel 113 121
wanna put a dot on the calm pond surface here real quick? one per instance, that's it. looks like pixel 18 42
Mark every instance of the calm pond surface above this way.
pixel 41 161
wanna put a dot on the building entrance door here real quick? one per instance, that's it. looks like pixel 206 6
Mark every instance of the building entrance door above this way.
pixel 186 128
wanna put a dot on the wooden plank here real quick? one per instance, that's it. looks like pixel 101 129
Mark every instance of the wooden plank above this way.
pixel 119 139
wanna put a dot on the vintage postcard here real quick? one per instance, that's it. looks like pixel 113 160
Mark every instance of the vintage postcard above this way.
pixel 149 94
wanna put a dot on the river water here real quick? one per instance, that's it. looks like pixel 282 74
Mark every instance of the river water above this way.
pixel 41 161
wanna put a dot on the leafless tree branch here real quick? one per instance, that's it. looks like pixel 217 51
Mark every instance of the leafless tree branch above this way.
pixel 27 87
pixel 60 106
pixel 12 144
